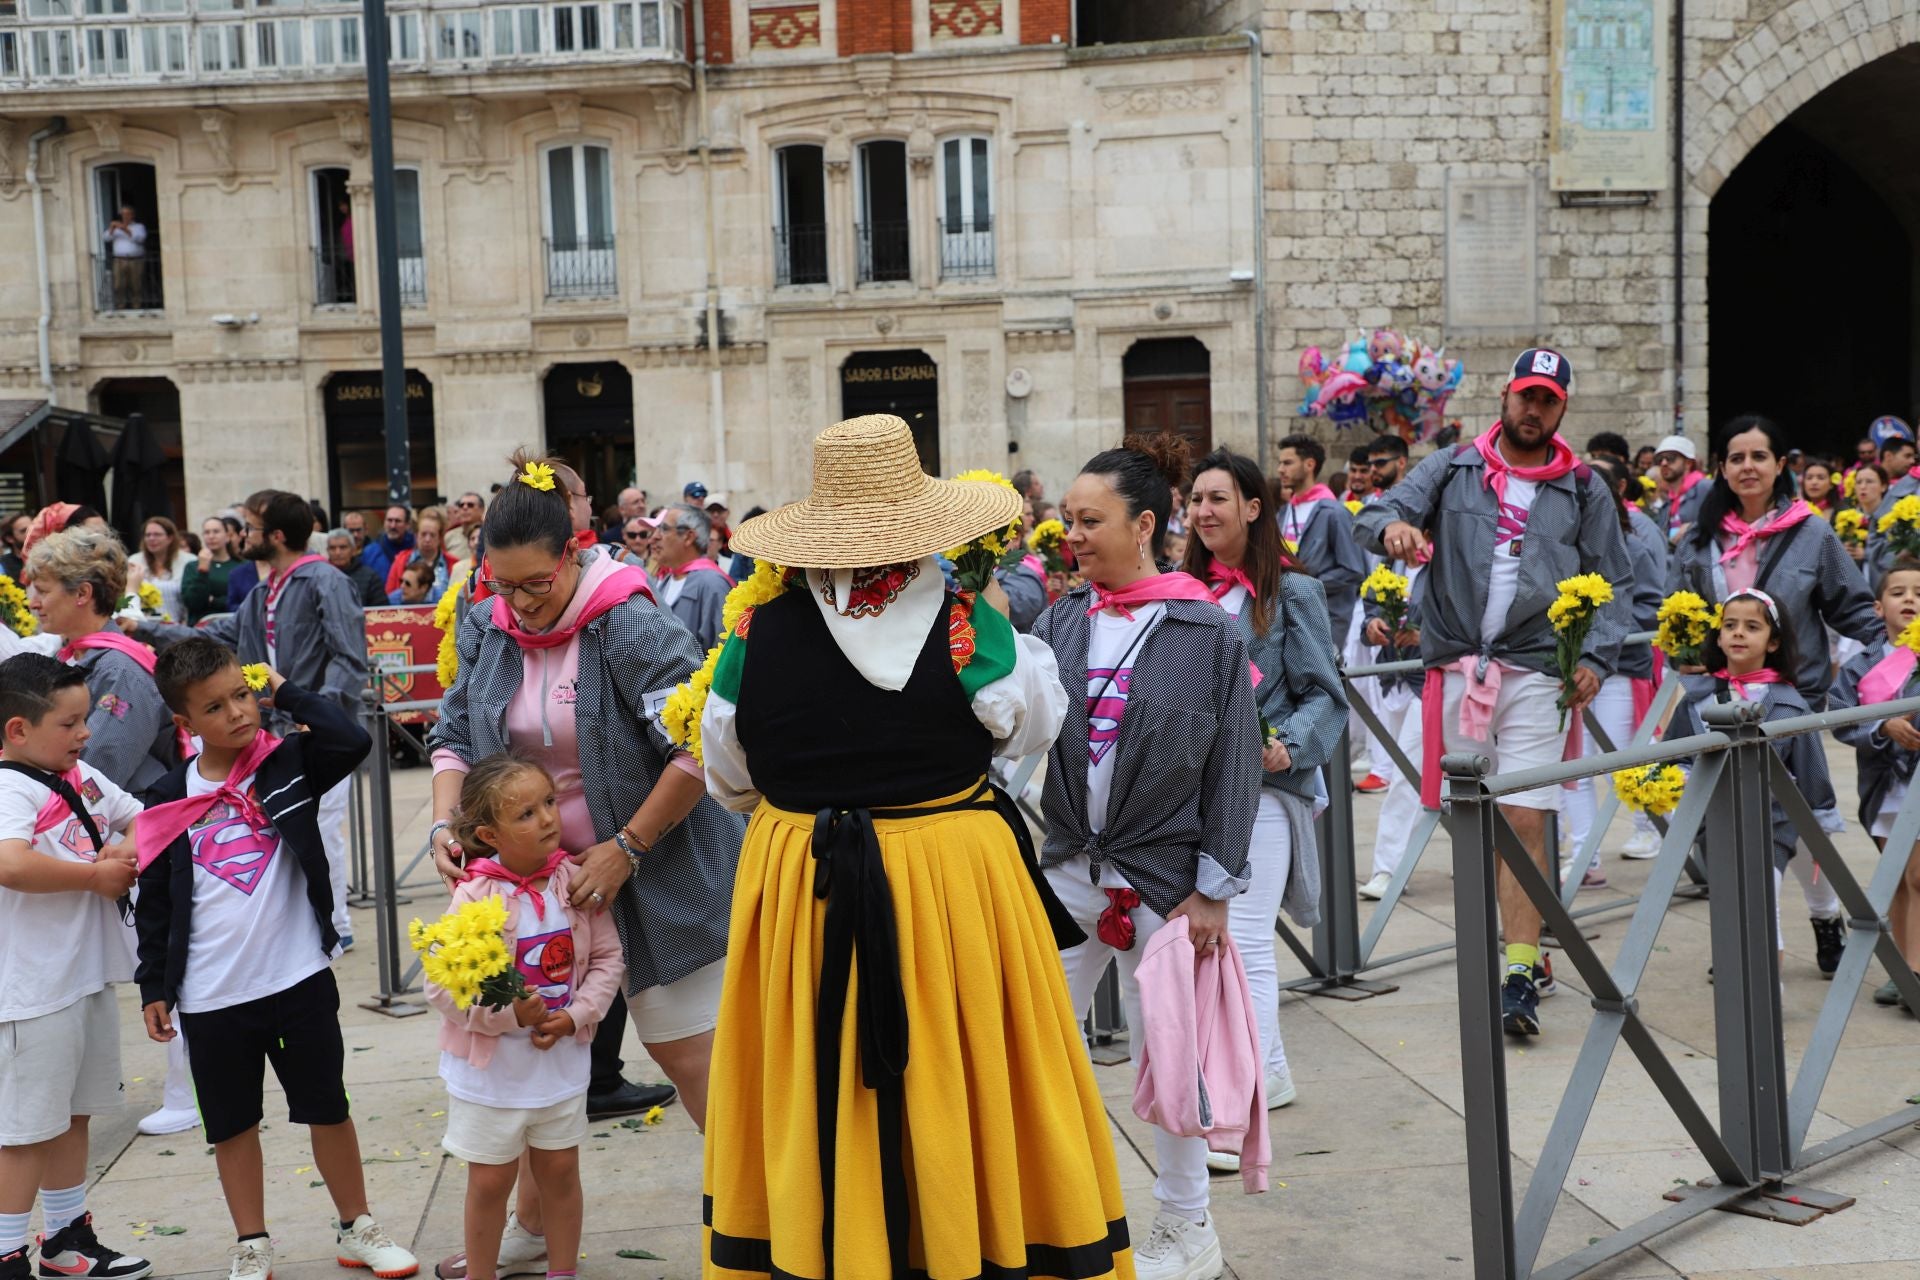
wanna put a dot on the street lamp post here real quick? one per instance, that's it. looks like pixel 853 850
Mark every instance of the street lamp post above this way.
pixel 393 359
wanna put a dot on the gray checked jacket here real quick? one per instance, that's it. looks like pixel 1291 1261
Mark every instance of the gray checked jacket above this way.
pixel 133 741
pixel 320 632
pixel 1300 691
pixel 672 915
pixel 1330 553
pixel 1186 778
pixel 1573 528
pixel 1881 764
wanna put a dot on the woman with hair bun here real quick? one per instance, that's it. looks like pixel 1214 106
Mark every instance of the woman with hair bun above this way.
pixel 1151 786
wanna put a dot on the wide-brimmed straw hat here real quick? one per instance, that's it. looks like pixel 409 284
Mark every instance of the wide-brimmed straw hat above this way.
pixel 872 504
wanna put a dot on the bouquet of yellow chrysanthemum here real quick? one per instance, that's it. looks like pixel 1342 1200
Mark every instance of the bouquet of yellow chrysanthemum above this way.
pixel 1572 615
pixel 1649 490
pixel 1909 637
pixel 1047 538
pixel 973 564
pixel 446 616
pixel 680 717
pixel 1387 589
pixel 1650 789
pixel 1851 524
pixel 146 598
pixel 1684 623
pixel 1846 484
pixel 1901 524
pixel 14 609
pixel 464 953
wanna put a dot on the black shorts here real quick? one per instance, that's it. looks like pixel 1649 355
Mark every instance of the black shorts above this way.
pixel 297 1030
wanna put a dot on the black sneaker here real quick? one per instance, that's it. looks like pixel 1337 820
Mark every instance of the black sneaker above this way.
pixel 1543 983
pixel 628 1099
pixel 1519 1006
pixel 15 1266
pixel 73 1251
pixel 1829 940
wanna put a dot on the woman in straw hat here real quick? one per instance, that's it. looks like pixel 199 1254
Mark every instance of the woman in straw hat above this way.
pixel 857 724
pixel 1150 800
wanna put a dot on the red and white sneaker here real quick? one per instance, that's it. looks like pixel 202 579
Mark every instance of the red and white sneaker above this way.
pixel 366 1244
pixel 1372 784
pixel 74 1253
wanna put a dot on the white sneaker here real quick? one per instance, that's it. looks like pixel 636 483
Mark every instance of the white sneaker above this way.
pixel 1223 1162
pixel 522 1253
pixel 1643 845
pixel 1280 1090
pixel 1376 888
pixel 367 1244
pixel 169 1120
pixel 1177 1249
pixel 250 1260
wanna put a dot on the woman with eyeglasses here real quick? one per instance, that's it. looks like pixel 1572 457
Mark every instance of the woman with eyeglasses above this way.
pixel 561 662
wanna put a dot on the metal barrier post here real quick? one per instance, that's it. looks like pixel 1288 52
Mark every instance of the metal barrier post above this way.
pixel 360 887
pixel 386 922
pixel 1746 965
pixel 1471 820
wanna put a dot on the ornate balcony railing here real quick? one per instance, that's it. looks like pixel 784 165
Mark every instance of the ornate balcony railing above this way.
pixel 966 249
pixel 883 251
pixel 800 254
pixel 584 267
pixel 128 284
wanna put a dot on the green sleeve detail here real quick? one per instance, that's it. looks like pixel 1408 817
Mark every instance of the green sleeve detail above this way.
pixel 993 649
pixel 726 672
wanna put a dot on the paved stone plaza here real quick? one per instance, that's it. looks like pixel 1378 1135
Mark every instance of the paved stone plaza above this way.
pixel 1368 1175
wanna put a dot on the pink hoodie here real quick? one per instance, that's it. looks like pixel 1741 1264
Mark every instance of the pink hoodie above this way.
pixel 1200 1069
pixel 472 1033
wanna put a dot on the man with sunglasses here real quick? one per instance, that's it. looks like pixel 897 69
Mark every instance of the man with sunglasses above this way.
pixel 636 541
pixel 462 535
pixel 632 502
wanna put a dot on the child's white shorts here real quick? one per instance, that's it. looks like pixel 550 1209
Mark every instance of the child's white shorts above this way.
pixel 57 1066
pixel 480 1134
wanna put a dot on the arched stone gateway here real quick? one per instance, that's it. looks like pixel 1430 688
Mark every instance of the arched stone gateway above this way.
pixel 1803 220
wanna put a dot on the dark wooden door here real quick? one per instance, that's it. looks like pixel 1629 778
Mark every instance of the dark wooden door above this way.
pixel 1171 404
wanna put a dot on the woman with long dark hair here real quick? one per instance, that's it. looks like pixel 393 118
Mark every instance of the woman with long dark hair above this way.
pixel 1152 784
pixel 1235 547
pixel 1752 532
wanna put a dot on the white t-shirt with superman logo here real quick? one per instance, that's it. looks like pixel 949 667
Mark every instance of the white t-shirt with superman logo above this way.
pixel 519 1075
pixel 59 948
pixel 254 932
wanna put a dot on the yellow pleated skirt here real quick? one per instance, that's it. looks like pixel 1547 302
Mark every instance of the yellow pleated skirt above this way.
pixel 1008 1156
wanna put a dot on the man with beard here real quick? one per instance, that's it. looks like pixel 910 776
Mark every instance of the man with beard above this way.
pixel 1683 482
pixel 303 620
pixel 1512 514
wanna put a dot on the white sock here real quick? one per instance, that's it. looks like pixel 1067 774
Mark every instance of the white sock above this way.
pixel 13 1231
pixel 60 1209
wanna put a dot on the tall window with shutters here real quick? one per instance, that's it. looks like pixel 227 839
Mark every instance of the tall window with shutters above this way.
pixel 578 221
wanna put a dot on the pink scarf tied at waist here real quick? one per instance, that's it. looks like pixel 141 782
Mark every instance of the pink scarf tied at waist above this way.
pixel 120 642
pixel 1560 461
pixel 1477 703
pixel 162 824
pixel 1745 535
pixel 521 886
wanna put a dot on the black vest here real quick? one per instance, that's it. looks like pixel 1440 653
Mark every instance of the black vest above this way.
pixel 818 736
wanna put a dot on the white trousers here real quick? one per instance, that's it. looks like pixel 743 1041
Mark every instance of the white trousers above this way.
pixel 1400 807
pixel 1250 920
pixel 1182 1185
pixel 1613 707
pixel 332 816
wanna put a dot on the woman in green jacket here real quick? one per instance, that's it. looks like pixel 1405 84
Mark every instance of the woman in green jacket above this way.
pixel 203 587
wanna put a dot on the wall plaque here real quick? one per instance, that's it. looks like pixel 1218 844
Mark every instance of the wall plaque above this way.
pixel 1492 255
pixel 1610 96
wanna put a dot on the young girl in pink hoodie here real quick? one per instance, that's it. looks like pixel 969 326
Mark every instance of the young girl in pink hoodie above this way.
pixel 517 1077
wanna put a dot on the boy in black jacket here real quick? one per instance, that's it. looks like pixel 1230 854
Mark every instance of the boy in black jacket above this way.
pixel 235 926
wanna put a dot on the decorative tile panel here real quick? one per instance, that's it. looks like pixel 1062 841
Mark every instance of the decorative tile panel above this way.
pixel 784 26
pixel 963 19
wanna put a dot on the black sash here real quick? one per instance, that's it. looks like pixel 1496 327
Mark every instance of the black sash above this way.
pixel 852 878
pixel 71 798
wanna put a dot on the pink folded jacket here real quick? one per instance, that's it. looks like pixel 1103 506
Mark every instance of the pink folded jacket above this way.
pixel 1201 1074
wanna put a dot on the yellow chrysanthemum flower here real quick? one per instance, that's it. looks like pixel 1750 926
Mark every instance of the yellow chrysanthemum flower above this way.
pixel 680 716
pixel 1909 638
pixel 1652 789
pixel 256 675
pixel 538 475
pixel 1048 535
pixel 1383 584
pixel 1906 511
pixel 149 597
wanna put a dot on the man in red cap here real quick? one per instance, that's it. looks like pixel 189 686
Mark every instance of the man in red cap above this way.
pixel 1512 514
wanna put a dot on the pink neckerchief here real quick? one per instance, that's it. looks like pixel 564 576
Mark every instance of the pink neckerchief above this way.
pixel 1744 534
pixel 702 563
pixel 120 642
pixel 1764 676
pixel 162 824
pixel 277 583
pixel 614 589
pixel 56 811
pixel 1225 578
pixel 1560 461
pixel 522 885
pixel 1164 586
pixel 1887 677
pixel 1314 494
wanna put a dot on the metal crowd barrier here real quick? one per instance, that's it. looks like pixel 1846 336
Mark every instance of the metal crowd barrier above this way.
pixel 374 880
pixel 1758 1145
pixel 1340 950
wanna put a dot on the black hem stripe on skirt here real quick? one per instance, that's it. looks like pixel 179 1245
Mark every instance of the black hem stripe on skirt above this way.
pixel 1044 1261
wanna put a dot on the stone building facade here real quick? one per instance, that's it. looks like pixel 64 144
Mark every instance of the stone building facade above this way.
pixel 940 206
pixel 1023 224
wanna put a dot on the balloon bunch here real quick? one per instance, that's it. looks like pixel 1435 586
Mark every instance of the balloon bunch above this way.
pixel 1395 383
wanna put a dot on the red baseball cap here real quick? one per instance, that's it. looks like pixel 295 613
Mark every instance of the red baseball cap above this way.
pixel 1542 367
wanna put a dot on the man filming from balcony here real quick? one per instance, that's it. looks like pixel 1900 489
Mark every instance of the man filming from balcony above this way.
pixel 126 239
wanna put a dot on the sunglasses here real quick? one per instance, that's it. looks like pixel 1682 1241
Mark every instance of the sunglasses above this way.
pixel 636 535
pixel 466 503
